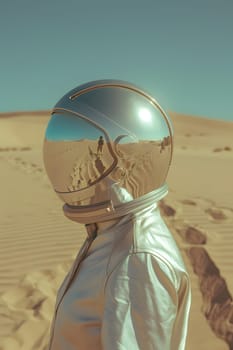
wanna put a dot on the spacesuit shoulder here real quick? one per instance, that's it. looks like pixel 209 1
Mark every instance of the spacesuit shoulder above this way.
pixel 147 268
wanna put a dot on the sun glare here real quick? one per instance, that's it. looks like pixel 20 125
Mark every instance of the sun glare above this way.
pixel 145 115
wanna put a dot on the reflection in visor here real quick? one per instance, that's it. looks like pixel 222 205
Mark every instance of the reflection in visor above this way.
pixel 78 153
pixel 68 127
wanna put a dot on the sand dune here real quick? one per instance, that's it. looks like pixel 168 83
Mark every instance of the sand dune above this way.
pixel 38 244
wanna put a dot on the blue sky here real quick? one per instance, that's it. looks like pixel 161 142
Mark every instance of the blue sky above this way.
pixel 180 51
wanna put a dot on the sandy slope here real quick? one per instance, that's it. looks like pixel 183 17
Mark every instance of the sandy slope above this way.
pixel 37 244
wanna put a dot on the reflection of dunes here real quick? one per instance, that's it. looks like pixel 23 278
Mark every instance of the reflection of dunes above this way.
pixel 83 166
pixel 100 166
pixel 86 173
pixel 143 164
pixel 78 175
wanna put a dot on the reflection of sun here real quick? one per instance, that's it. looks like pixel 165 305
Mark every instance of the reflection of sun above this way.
pixel 144 115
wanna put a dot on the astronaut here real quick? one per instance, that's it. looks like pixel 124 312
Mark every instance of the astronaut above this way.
pixel 128 287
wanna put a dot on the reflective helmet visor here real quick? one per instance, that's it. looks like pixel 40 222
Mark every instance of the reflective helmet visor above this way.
pixel 112 132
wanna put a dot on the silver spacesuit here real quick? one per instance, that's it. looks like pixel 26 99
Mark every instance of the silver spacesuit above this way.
pixel 128 287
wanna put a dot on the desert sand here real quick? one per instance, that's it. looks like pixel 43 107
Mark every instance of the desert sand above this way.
pixel 38 244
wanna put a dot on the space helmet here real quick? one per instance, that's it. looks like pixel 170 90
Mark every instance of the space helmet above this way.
pixel 108 147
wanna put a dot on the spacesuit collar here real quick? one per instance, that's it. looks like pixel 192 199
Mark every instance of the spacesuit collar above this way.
pixel 134 207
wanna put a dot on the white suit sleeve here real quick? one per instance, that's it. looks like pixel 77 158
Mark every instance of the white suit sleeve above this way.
pixel 140 305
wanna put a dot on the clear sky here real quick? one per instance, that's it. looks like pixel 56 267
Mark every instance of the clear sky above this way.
pixel 180 51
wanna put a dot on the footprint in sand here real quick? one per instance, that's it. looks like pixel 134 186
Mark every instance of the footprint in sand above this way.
pixel 217 300
pixel 221 149
pixel 192 235
pixel 188 202
pixel 25 166
pixel 13 149
pixel 166 210
pixel 217 214
pixel 201 262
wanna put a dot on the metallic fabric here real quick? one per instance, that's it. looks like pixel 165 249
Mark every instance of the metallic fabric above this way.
pixel 131 291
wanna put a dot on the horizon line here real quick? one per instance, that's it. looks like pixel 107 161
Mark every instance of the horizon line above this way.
pixel 46 112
